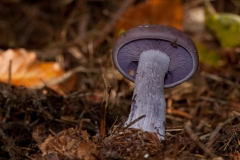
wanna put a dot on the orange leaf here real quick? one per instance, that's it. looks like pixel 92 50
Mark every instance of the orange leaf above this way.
pixel 162 12
pixel 26 70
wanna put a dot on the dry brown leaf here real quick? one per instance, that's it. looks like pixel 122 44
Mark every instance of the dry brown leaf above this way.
pixel 70 143
pixel 87 150
pixel 151 12
pixel 26 70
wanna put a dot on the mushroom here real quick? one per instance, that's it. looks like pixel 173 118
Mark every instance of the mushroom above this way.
pixel 154 57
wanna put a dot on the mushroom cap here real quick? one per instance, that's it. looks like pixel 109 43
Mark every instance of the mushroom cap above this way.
pixel 176 44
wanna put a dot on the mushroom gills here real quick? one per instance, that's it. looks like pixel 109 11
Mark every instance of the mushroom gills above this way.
pixel 180 67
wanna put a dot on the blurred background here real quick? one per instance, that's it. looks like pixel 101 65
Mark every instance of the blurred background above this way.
pixel 60 50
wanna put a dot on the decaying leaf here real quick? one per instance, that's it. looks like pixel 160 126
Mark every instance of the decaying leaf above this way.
pixel 151 12
pixel 225 26
pixel 26 70
pixel 71 143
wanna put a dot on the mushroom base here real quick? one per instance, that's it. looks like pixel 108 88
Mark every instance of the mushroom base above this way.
pixel 148 97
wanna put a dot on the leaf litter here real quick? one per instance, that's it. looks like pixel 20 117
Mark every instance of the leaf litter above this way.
pixel 203 114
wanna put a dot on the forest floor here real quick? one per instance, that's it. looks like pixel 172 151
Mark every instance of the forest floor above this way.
pixel 203 114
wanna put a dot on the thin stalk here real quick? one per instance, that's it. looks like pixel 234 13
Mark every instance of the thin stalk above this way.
pixel 148 97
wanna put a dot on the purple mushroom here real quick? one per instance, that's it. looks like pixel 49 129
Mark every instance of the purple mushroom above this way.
pixel 154 57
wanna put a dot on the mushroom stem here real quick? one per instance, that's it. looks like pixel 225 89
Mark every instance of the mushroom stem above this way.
pixel 148 96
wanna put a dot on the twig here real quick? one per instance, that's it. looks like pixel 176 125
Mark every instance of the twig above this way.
pixel 225 146
pixel 192 4
pixel 236 113
pixel 54 134
pixel 104 107
pixel 203 137
pixel 217 78
pixel 65 77
pixel 109 26
pixel 178 112
pixel 125 19
pixel 209 144
pixel 81 123
pixel 213 100
pixel 173 130
pixel 199 143
pixel 111 128
pixel 137 119
pixel 219 127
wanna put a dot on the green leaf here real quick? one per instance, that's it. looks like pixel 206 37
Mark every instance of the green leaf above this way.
pixel 225 27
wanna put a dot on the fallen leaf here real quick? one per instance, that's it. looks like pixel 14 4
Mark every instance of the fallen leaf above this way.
pixel 70 143
pixel 26 70
pixel 151 12
pixel 225 26
pixel 87 150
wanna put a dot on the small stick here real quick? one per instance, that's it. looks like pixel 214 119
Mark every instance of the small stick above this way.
pixel 209 6
pixel 81 123
pixel 109 26
pixel 178 112
pixel 219 127
pixel 173 130
pixel 65 76
pixel 104 108
pixel 209 144
pixel 213 100
pixel 111 128
pixel 54 134
pixel 217 78
pixel 199 143
pixel 137 119
pixel 236 113
pixel 227 143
